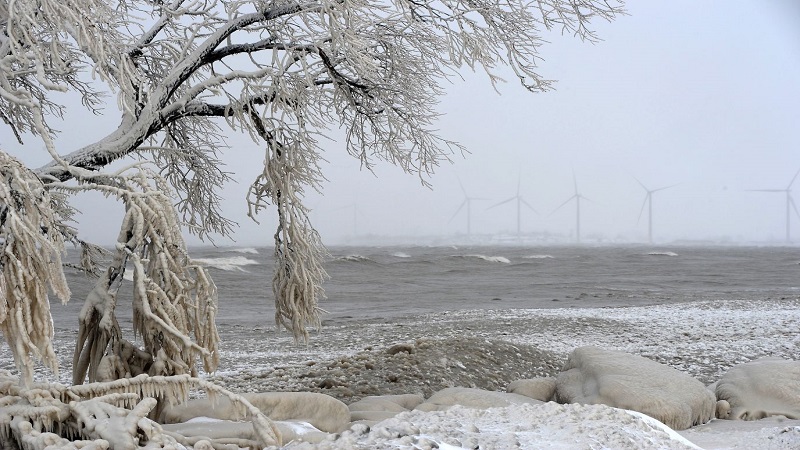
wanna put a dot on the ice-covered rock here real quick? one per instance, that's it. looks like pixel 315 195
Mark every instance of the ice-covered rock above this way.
pixel 381 407
pixel 322 411
pixel 241 433
pixel 472 398
pixel 596 376
pixel 761 388
pixel 542 389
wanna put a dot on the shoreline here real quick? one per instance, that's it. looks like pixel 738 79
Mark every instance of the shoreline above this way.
pixel 488 349
pixel 702 339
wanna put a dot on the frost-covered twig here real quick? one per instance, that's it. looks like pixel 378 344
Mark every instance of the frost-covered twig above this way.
pixel 114 413
pixel 30 261
pixel 173 299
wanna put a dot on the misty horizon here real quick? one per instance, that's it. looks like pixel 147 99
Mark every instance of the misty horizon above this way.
pixel 695 95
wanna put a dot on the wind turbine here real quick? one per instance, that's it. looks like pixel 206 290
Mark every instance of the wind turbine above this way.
pixel 789 202
pixel 648 200
pixel 468 203
pixel 520 201
pixel 577 196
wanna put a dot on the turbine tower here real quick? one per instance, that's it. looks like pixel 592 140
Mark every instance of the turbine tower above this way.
pixel 468 203
pixel 789 203
pixel 648 200
pixel 577 197
pixel 520 201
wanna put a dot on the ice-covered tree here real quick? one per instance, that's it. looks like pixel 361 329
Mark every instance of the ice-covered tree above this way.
pixel 183 74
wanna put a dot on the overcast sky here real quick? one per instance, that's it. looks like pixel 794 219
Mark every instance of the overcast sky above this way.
pixel 704 96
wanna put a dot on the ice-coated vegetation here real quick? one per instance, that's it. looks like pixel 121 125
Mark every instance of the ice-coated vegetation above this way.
pixel 182 75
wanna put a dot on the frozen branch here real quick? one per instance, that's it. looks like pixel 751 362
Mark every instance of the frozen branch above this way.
pixel 30 261
pixel 188 73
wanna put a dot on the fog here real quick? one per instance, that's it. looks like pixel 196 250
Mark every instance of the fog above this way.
pixel 703 97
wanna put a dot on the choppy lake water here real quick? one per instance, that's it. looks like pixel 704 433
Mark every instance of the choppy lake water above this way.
pixel 392 282
pixel 372 288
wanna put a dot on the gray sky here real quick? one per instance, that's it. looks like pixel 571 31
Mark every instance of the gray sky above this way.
pixel 701 95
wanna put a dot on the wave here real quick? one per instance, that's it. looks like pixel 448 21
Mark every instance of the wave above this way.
pixel 353 258
pixel 227 263
pixel 494 259
pixel 401 255
pixel 538 256
pixel 248 250
pixel 663 254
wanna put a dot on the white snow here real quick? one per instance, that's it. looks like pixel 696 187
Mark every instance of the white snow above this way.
pixel 700 337
pixel 523 426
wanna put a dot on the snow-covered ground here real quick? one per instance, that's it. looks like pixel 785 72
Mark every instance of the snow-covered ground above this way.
pixel 702 339
pixel 487 349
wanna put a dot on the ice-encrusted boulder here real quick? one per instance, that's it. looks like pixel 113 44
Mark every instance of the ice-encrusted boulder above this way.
pixel 241 433
pixel 322 411
pixel 542 389
pixel 597 376
pixel 761 388
pixel 472 398
pixel 381 407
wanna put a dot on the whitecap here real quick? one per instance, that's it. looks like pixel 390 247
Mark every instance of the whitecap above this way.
pixel 353 258
pixel 248 250
pixel 401 255
pixel 663 254
pixel 494 259
pixel 538 256
pixel 230 264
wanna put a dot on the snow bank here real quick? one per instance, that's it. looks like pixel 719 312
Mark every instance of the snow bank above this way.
pixel 522 426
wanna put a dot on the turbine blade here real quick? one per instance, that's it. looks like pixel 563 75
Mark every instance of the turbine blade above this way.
pixel 462 186
pixel 457 211
pixel 793 180
pixel 575 181
pixel 641 184
pixel 562 205
pixel 528 205
pixel 502 203
pixel 665 187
